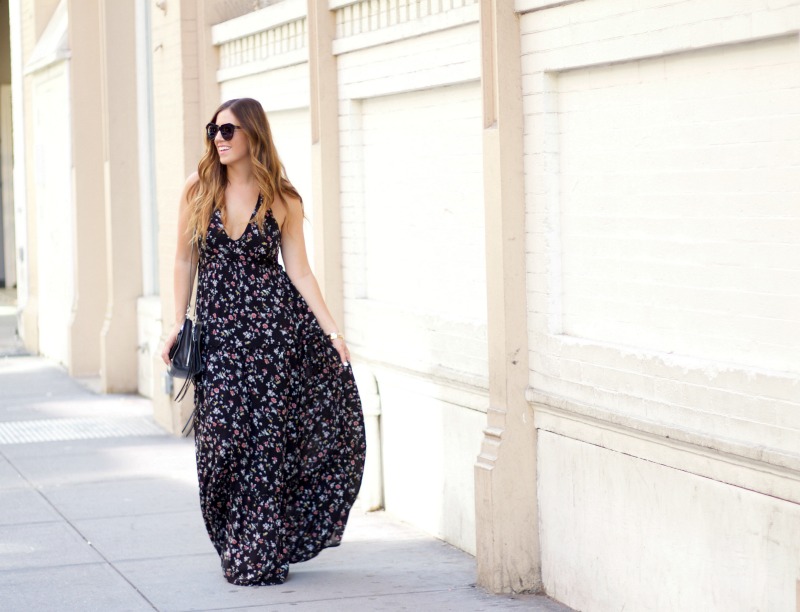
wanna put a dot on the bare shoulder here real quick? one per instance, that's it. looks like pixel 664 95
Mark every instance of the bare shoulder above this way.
pixel 294 207
pixel 287 212
pixel 191 180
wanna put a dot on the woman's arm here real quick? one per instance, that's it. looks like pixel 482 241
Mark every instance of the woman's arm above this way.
pixel 295 259
pixel 184 266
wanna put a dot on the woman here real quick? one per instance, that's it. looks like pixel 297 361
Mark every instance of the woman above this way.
pixel 279 433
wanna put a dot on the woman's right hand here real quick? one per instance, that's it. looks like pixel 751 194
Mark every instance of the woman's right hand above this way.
pixel 173 335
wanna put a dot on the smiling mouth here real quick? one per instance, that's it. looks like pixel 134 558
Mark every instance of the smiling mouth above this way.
pixel 223 149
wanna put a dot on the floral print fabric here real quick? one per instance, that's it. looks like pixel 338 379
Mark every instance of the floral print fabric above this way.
pixel 279 431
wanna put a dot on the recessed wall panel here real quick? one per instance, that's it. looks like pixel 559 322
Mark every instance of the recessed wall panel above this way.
pixel 423 233
pixel 678 189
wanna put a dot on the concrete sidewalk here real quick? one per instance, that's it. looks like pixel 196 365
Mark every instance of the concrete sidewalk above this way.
pixel 100 512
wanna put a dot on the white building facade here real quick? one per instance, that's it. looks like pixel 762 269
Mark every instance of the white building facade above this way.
pixel 662 189
pixel 563 240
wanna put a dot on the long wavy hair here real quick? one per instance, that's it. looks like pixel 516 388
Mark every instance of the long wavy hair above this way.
pixel 208 194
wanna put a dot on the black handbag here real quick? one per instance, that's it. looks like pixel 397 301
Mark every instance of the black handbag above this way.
pixel 186 354
pixel 185 359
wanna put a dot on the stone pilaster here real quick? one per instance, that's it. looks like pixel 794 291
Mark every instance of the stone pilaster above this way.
pixel 89 255
pixel 324 109
pixel 121 198
pixel 505 473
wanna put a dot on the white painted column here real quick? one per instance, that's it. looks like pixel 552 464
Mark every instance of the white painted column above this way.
pixel 505 473
pixel 123 221
pixel 324 110
pixel 89 303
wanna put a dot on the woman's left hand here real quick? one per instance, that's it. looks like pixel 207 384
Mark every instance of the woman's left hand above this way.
pixel 343 351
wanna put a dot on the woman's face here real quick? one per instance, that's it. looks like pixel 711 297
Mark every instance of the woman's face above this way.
pixel 235 149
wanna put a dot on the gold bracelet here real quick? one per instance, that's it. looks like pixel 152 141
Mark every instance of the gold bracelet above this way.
pixel 334 335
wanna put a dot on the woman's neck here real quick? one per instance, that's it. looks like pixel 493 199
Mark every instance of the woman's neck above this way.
pixel 240 174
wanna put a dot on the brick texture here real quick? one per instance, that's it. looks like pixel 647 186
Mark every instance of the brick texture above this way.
pixel 662 179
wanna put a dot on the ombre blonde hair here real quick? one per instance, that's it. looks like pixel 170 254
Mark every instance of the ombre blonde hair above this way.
pixel 208 194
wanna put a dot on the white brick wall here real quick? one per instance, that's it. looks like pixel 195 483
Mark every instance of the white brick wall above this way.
pixel 413 256
pixel 284 88
pixel 677 195
pixel 439 58
pixel 662 176
pixel 662 197
pixel 412 208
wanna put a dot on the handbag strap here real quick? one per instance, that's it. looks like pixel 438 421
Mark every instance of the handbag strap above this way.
pixel 191 276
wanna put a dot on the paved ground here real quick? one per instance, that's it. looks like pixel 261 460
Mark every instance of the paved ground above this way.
pixel 100 512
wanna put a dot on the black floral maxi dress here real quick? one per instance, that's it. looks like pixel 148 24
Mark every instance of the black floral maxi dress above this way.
pixel 279 431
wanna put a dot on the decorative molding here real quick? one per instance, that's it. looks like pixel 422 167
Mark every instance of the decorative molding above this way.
pixel 277 36
pixel 367 23
pixel 365 15
pixel 441 386
pixel 53 44
pixel 397 84
pixel 528 6
pixel 283 60
pixel 46 61
pixel 274 37
pixel 259 21
pixel 337 4
pixel 279 40
pixel 769 471
pixel 492 438
pixel 468 389
pixel 704 424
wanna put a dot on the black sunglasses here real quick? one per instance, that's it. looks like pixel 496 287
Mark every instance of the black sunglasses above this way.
pixel 226 129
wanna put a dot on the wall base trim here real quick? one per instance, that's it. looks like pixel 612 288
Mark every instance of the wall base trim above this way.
pixel 731 462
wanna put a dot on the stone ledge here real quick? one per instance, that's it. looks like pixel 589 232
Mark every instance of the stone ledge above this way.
pixel 763 470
